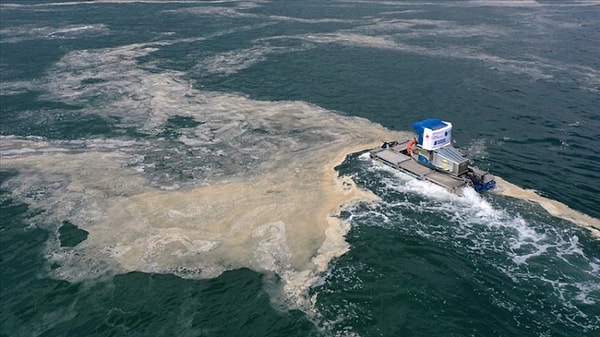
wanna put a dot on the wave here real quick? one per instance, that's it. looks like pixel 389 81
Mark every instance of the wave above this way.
pixel 518 241
pixel 553 207
pixel 503 188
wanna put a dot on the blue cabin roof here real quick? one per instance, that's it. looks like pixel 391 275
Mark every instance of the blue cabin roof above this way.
pixel 430 123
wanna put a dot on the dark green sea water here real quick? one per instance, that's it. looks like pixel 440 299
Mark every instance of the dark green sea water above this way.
pixel 154 83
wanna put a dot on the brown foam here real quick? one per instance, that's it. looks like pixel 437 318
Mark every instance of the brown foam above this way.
pixel 283 221
pixel 553 207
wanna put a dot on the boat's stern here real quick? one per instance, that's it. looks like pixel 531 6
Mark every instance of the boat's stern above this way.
pixel 482 181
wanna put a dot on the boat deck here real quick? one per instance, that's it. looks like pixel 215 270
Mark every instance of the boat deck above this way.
pixel 393 156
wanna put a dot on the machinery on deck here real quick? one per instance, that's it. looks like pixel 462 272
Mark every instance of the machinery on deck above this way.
pixel 430 156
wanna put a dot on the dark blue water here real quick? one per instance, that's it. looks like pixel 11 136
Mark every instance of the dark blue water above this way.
pixel 112 111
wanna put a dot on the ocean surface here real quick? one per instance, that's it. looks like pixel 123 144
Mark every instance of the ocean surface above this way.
pixel 169 168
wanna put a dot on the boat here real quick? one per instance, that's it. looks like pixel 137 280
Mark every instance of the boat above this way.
pixel 431 157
